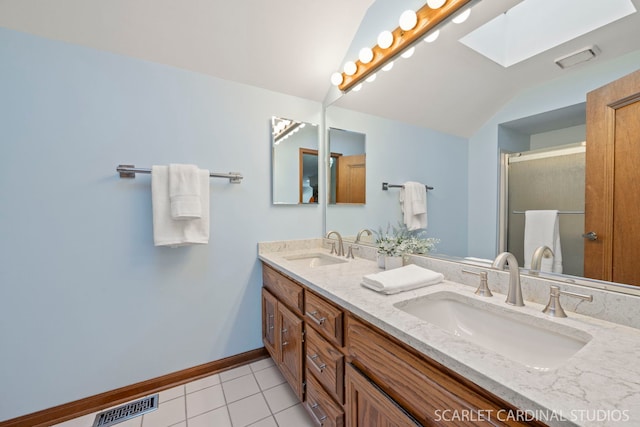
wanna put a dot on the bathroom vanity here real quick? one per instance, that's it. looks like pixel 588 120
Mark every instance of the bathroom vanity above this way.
pixel 358 358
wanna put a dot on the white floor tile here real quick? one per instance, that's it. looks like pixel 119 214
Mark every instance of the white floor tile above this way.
pixel 171 393
pixel 266 422
pixel 261 364
pixel 239 388
pixel 280 397
pixel 204 400
pixel 235 373
pixel 216 418
pixel 182 424
pixel 203 383
pixel 167 414
pixel 296 416
pixel 269 377
pixel 248 410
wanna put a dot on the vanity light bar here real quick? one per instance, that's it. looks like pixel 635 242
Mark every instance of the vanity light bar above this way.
pixel 402 39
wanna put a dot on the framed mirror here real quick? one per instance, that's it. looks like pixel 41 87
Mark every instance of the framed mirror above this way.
pixel 294 165
pixel 347 173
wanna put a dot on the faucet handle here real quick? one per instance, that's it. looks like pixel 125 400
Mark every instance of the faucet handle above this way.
pixel 333 248
pixel 553 308
pixel 483 289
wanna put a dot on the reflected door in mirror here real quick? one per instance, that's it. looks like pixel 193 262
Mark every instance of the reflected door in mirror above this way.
pixel 347 167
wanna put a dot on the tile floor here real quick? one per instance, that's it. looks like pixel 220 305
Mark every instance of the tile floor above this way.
pixel 253 395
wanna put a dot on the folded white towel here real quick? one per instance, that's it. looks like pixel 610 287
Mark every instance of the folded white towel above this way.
pixel 541 228
pixel 168 231
pixel 401 279
pixel 413 198
pixel 184 192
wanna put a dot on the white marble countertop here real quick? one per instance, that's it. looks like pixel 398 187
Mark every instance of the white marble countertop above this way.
pixel 598 386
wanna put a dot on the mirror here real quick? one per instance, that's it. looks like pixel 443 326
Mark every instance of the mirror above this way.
pixel 294 162
pixel 465 210
pixel 347 167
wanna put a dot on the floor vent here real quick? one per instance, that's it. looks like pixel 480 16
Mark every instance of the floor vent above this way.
pixel 126 411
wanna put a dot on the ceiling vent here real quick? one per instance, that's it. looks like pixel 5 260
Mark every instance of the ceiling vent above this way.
pixel 583 55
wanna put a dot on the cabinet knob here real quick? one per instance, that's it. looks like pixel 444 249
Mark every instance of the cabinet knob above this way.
pixel 591 235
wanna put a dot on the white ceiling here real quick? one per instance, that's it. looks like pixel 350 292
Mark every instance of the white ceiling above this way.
pixel 293 46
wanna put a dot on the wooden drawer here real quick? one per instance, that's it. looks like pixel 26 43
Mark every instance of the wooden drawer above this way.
pixel 325 317
pixel 286 290
pixel 326 364
pixel 368 406
pixel 423 387
pixel 323 410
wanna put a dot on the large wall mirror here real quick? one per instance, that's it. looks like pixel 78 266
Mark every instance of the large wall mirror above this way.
pixel 347 167
pixel 469 210
pixel 294 174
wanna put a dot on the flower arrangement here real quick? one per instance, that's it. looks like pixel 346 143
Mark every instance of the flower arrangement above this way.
pixel 397 241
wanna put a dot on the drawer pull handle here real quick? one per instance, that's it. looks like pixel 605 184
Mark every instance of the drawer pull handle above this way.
pixel 319 419
pixel 312 361
pixel 312 315
pixel 282 332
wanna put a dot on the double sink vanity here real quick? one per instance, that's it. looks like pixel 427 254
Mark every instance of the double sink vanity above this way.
pixel 442 355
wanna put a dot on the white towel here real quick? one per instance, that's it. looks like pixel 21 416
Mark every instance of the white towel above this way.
pixel 413 198
pixel 184 192
pixel 168 231
pixel 541 228
pixel 401 279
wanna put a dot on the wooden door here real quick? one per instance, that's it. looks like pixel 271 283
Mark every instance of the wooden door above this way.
pixel 367 405
pixel 290 327
pixel 612 195
pixel 351 179
pixel 269 323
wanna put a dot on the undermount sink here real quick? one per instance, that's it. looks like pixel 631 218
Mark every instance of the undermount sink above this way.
pixel 520 337
pixel 317 259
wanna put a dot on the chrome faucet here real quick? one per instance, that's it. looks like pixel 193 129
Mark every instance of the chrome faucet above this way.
pixel 536 258
pixel 340 244
pixel 514 295
pixel 364 230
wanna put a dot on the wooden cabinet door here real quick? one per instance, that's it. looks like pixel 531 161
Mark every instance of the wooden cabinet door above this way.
pixel 368 406
pixel 290 328
pixel 269 305
pixel 612 201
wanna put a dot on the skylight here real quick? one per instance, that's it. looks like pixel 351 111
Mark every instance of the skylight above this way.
pixel 534 26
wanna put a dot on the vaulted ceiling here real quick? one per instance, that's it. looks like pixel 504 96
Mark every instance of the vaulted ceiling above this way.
pixel 293 46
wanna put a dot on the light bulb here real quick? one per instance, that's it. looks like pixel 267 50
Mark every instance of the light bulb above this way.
pixel 461 17
pixel 357 88
pixel 388 66
pixel 336 79
pixel 371 78
pixel 409 52
pixel 408 20
pixel 365 55
pixel 432 37
pixel 436 4
pixel 385 39
pixel 350 68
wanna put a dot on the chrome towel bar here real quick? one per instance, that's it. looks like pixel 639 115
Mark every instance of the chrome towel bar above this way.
pixel 130 171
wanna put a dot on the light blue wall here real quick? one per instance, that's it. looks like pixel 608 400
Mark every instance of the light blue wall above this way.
pixel 396 153
pixel 484 150
pixel 87 303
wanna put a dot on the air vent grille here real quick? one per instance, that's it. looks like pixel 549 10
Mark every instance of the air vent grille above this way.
pixel 126 411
